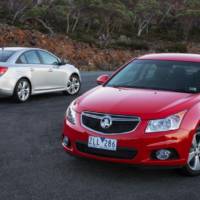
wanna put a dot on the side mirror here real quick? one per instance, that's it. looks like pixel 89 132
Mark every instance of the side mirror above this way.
pixel 64 62
pixel 102 79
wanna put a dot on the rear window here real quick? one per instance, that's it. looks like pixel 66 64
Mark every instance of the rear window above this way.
pixel 5 55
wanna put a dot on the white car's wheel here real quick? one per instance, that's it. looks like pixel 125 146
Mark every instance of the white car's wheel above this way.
pixel 73 85
pixel 22 90
pixel 193 164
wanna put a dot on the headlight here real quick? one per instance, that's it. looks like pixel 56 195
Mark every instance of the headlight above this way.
pixel 71 114
pixel 167 124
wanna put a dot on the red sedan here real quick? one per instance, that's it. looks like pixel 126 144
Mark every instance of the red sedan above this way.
pixel 147 113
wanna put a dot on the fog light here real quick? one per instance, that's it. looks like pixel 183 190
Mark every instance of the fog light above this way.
pixel 163 154
pixel 65 142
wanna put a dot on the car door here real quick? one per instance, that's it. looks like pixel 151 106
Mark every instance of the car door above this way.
pixel 39 72
pixel 57 74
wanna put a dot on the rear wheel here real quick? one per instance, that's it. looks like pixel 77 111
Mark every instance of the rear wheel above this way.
pixel 193 164
pixel 73 85
pixel 22 90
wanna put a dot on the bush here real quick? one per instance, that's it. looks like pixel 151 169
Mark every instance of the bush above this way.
pixel 84 37
pixel 140 45
pixel 165 34
pixel 132 44
pixel 175 48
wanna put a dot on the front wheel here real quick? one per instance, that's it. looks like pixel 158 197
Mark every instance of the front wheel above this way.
pixel 73 85
pixel 22 90
pixel 193 164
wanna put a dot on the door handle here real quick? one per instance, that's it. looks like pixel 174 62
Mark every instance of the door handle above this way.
pixel 32 70
pixel 50 70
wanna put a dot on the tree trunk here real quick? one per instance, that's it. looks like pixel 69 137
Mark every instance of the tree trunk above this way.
pixel 43 23
pixel 144 25
pixel 76 22
pixel 18 13
pixel 68 22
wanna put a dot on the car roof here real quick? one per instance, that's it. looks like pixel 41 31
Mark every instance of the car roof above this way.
pixel 17 48
pixel 17 52
pixel 172 57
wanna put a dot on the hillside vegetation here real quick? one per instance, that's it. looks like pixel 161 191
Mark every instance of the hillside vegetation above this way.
pixel 101 34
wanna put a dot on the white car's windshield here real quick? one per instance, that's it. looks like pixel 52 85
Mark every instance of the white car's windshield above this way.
pixel 160 75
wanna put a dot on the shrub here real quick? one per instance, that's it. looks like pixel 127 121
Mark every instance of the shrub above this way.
pixel 175 47
pixel 132 44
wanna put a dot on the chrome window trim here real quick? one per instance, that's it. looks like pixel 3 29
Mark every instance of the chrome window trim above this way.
pixel 92 114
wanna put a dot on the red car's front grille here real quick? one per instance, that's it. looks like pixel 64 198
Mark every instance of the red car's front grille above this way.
pixel 119 123
pixel 120 153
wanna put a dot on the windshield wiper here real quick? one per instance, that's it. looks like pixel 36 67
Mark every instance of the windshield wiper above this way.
pixel 160 89
pixel 120 86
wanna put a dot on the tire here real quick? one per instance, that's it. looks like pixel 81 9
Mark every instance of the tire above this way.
pixel 193 164
pixel 73 85
pixel 22 91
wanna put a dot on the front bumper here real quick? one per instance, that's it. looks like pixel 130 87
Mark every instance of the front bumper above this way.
pixel 143 144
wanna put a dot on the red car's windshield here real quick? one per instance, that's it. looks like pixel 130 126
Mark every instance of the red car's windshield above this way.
pixel 160 75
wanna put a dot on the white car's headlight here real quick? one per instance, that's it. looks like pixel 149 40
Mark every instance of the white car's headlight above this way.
pixel 71 114
pixel 170 123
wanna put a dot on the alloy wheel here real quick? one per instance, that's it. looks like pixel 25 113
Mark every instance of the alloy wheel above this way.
pixel 73 86
pixel 194 154
pixel 23 90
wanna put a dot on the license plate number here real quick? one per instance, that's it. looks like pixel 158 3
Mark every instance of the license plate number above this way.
pixel 102 143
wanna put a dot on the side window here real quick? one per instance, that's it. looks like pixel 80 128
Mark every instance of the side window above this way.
pixel 47 58
pixel 22 59
pixel 32 57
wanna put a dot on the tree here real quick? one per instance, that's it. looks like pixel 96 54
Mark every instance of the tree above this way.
pixel 143 15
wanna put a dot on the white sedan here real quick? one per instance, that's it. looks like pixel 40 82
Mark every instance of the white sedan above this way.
pixel 29 71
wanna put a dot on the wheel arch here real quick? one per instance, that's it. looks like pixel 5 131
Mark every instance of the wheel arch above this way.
pixel 75 74
pixel 191 119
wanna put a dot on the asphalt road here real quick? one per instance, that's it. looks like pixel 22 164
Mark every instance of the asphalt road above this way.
pixel 33 165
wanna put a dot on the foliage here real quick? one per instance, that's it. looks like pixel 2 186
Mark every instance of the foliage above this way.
pixel 174 47
pixel 104 22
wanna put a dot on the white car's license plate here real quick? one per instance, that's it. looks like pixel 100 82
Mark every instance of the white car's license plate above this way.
pixel 102 143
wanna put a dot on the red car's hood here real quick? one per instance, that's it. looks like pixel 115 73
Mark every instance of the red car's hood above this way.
pixel 144 103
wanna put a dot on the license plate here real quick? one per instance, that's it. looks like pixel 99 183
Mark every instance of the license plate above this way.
pixel 102 143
